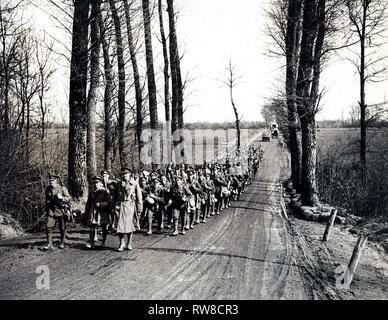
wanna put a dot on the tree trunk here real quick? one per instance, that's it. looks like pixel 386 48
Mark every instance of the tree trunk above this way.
pixel 77 101
pixel 42 115
pixel 136 77
pixel 121 94
pixel 108 97
pixel 153 104
pixel 309 158
pixel 176 79
pixel 292 49
pixel 237 119
pixel 362 95
pixel 166 64
pixel 173 67
pixel 93 89
pixel 166 75
pixel 313 18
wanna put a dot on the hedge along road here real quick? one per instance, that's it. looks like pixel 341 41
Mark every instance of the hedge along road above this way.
pixel 244 253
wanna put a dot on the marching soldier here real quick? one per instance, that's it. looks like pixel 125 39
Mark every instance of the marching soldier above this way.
pixel 194 205
pixel 110 185
pixel 203 197
pixel 144 191
pixel 178 201
pixel 57 203
pixel 210 190
pixel 128 200
pixel 153 203
pixel 166 185
pixel 97 210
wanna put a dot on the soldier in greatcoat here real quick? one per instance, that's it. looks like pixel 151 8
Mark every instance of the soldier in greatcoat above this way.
pixel 129 203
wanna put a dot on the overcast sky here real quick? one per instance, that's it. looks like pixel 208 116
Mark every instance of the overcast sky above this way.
pixel 213 31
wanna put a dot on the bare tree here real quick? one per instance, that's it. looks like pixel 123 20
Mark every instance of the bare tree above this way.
pixel 93 89
pixel 231 82
pixel 11 34
pixel 166 73
pixel 45 73
pixel 292 46
pixel 177 121
pixel 136 78
pixel 314 31
pixel 368 20
pixel 78 101
pixel 121 72
pixel 153 103
pixel 108 96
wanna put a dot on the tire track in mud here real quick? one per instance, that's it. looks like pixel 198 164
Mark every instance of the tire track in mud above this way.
pixel 187 265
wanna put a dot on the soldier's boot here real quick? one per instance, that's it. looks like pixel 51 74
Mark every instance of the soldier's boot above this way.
pixel 217 210
pixel 95 235
pixel 197 216
pixel 212 210
pixel 208 210
pixel 186 221
pixel 49 245
pixel 221 207
pixel 121 247
pixel 160 222
pixel 150 218
pixel 104 235
pixel 63 239
pixel 175 233
pixel 90 245
pixel 190 219
pixel 129 242
pixel 203 213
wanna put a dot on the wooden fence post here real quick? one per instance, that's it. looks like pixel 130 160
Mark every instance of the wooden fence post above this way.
pixel 357 252
pixel 330 224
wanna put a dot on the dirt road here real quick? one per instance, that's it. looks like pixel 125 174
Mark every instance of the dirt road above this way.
pixel 244 253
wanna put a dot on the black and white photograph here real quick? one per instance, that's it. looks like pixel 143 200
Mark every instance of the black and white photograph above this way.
pixel 205 152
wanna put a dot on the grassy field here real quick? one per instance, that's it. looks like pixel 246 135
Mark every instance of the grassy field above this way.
pixel 340 175
pixel 377 139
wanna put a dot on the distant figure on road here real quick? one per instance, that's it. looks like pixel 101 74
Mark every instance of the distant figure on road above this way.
pixel 129 202
pixel 57 204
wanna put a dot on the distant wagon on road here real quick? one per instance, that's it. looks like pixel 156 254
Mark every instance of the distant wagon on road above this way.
pixel 265 136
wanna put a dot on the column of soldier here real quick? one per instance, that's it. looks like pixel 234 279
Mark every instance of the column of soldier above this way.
pixel 177 197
